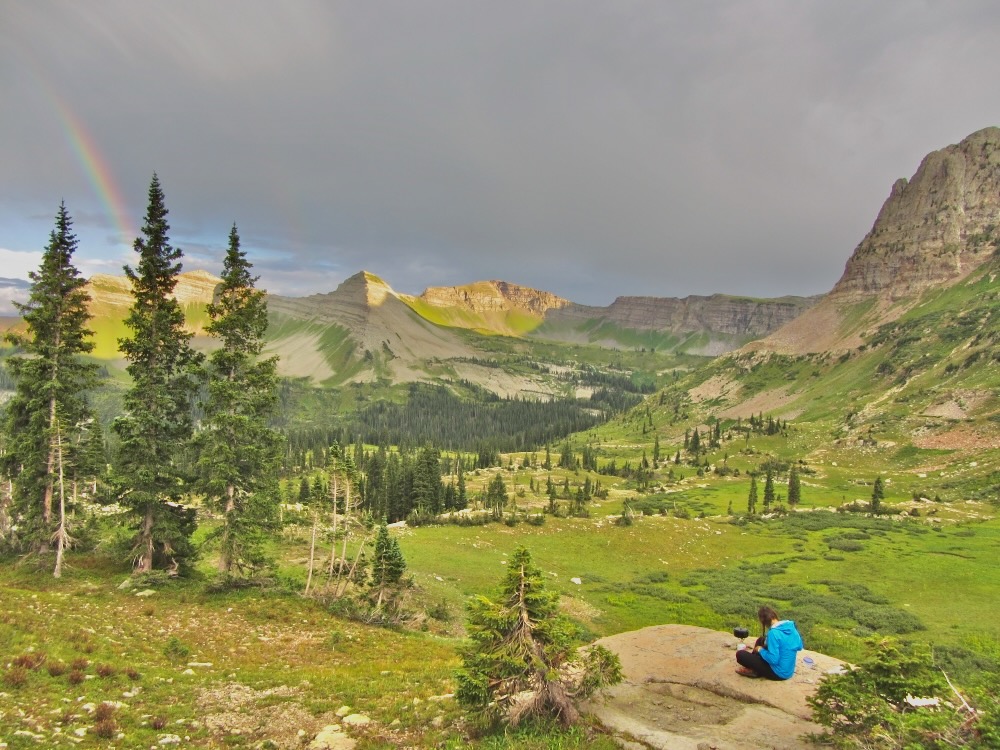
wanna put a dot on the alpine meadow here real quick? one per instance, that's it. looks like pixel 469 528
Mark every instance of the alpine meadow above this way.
pixel 363 518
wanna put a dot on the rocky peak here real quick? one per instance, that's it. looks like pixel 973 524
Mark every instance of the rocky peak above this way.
pixel 116 291
pixel 364 288
pixel 934 228
pixel 493 296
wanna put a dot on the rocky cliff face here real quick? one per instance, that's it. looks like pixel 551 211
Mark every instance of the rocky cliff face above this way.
pixel 933 229
pixel 717 314
pixel 493 296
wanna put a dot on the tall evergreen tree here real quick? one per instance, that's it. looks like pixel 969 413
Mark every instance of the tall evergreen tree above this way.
pixel 496 495
pixel 239 453
pixel 878 494
pixel 794 487
pixel 48 414
pixel 752 496
pixel 768 490
pixel 427 487
pixel 388 567
pixel 157 422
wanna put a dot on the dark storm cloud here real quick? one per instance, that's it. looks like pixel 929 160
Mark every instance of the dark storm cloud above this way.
pixel 588 148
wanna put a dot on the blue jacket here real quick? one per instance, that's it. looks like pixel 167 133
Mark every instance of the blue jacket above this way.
pixel 783 643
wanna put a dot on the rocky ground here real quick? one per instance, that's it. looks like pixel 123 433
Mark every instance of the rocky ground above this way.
pixel 681 692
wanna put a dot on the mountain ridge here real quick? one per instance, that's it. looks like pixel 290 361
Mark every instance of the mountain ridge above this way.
pixel 931 232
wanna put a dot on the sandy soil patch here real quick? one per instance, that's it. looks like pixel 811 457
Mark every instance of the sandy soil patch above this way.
pixel 768 402
pixel 275 714
pixel 300 357
pixel 501 382
pixel 947 410
pixel 962 437
pixel 717 386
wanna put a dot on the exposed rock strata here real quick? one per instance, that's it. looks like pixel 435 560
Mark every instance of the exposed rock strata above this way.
pixel 493 296
pixel 718 313
pixel 932 231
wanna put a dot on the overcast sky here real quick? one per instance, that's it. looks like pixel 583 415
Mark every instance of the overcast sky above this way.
pixel 589 148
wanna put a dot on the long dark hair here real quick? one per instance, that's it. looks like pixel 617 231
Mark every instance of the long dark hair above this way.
pixel 766 615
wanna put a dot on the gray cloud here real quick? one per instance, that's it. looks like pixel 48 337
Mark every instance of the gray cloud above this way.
pixel 589 148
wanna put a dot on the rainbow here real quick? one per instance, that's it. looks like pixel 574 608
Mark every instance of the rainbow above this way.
pixel 94 166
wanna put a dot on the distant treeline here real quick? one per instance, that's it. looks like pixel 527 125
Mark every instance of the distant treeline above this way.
pixel 435 415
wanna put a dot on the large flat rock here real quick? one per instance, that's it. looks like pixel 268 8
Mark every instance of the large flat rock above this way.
pixel 681 692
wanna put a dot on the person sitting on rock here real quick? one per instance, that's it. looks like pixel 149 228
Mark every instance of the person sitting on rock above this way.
pixel 773 655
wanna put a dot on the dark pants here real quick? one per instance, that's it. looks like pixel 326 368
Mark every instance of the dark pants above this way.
pixel 750 660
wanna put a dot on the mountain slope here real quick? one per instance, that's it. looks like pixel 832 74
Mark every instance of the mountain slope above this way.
pixel 932 231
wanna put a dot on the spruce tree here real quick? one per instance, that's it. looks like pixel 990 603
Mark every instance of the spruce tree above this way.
pixel 388 567
pixel 239 453
pixel 496 495
pixel 752 496
pixel 48 416
pixel 768 490
pixel 157 422
pixel 520 643
pixel 878 494
pixel 794 488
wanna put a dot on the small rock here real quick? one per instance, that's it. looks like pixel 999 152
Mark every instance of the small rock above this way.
pixel 437 722
pixel 199 663
pixel 188 671
pixel 343 711
pixel 169 739
pixel 357 720
pixel 331 738
pixel 577 581
pixel 145 593
pixel 417 701
pixel 80 732
pixel 395 723
pixel 439 698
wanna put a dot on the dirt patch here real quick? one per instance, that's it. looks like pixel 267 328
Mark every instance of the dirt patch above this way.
pixel 768 402
pixel 947 410
pixel 232 708
pixel 579 609
pixel 501 382
pixel 717 386
pixel 962 437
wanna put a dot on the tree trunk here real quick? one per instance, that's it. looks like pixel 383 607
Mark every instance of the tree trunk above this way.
pixel 144 563
pixel 312 554
pixel 338 592
pixel 5 498
pixel 347 520
pixel 333 546
pixel 225 553
pixel 49 468
pixel 62 536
